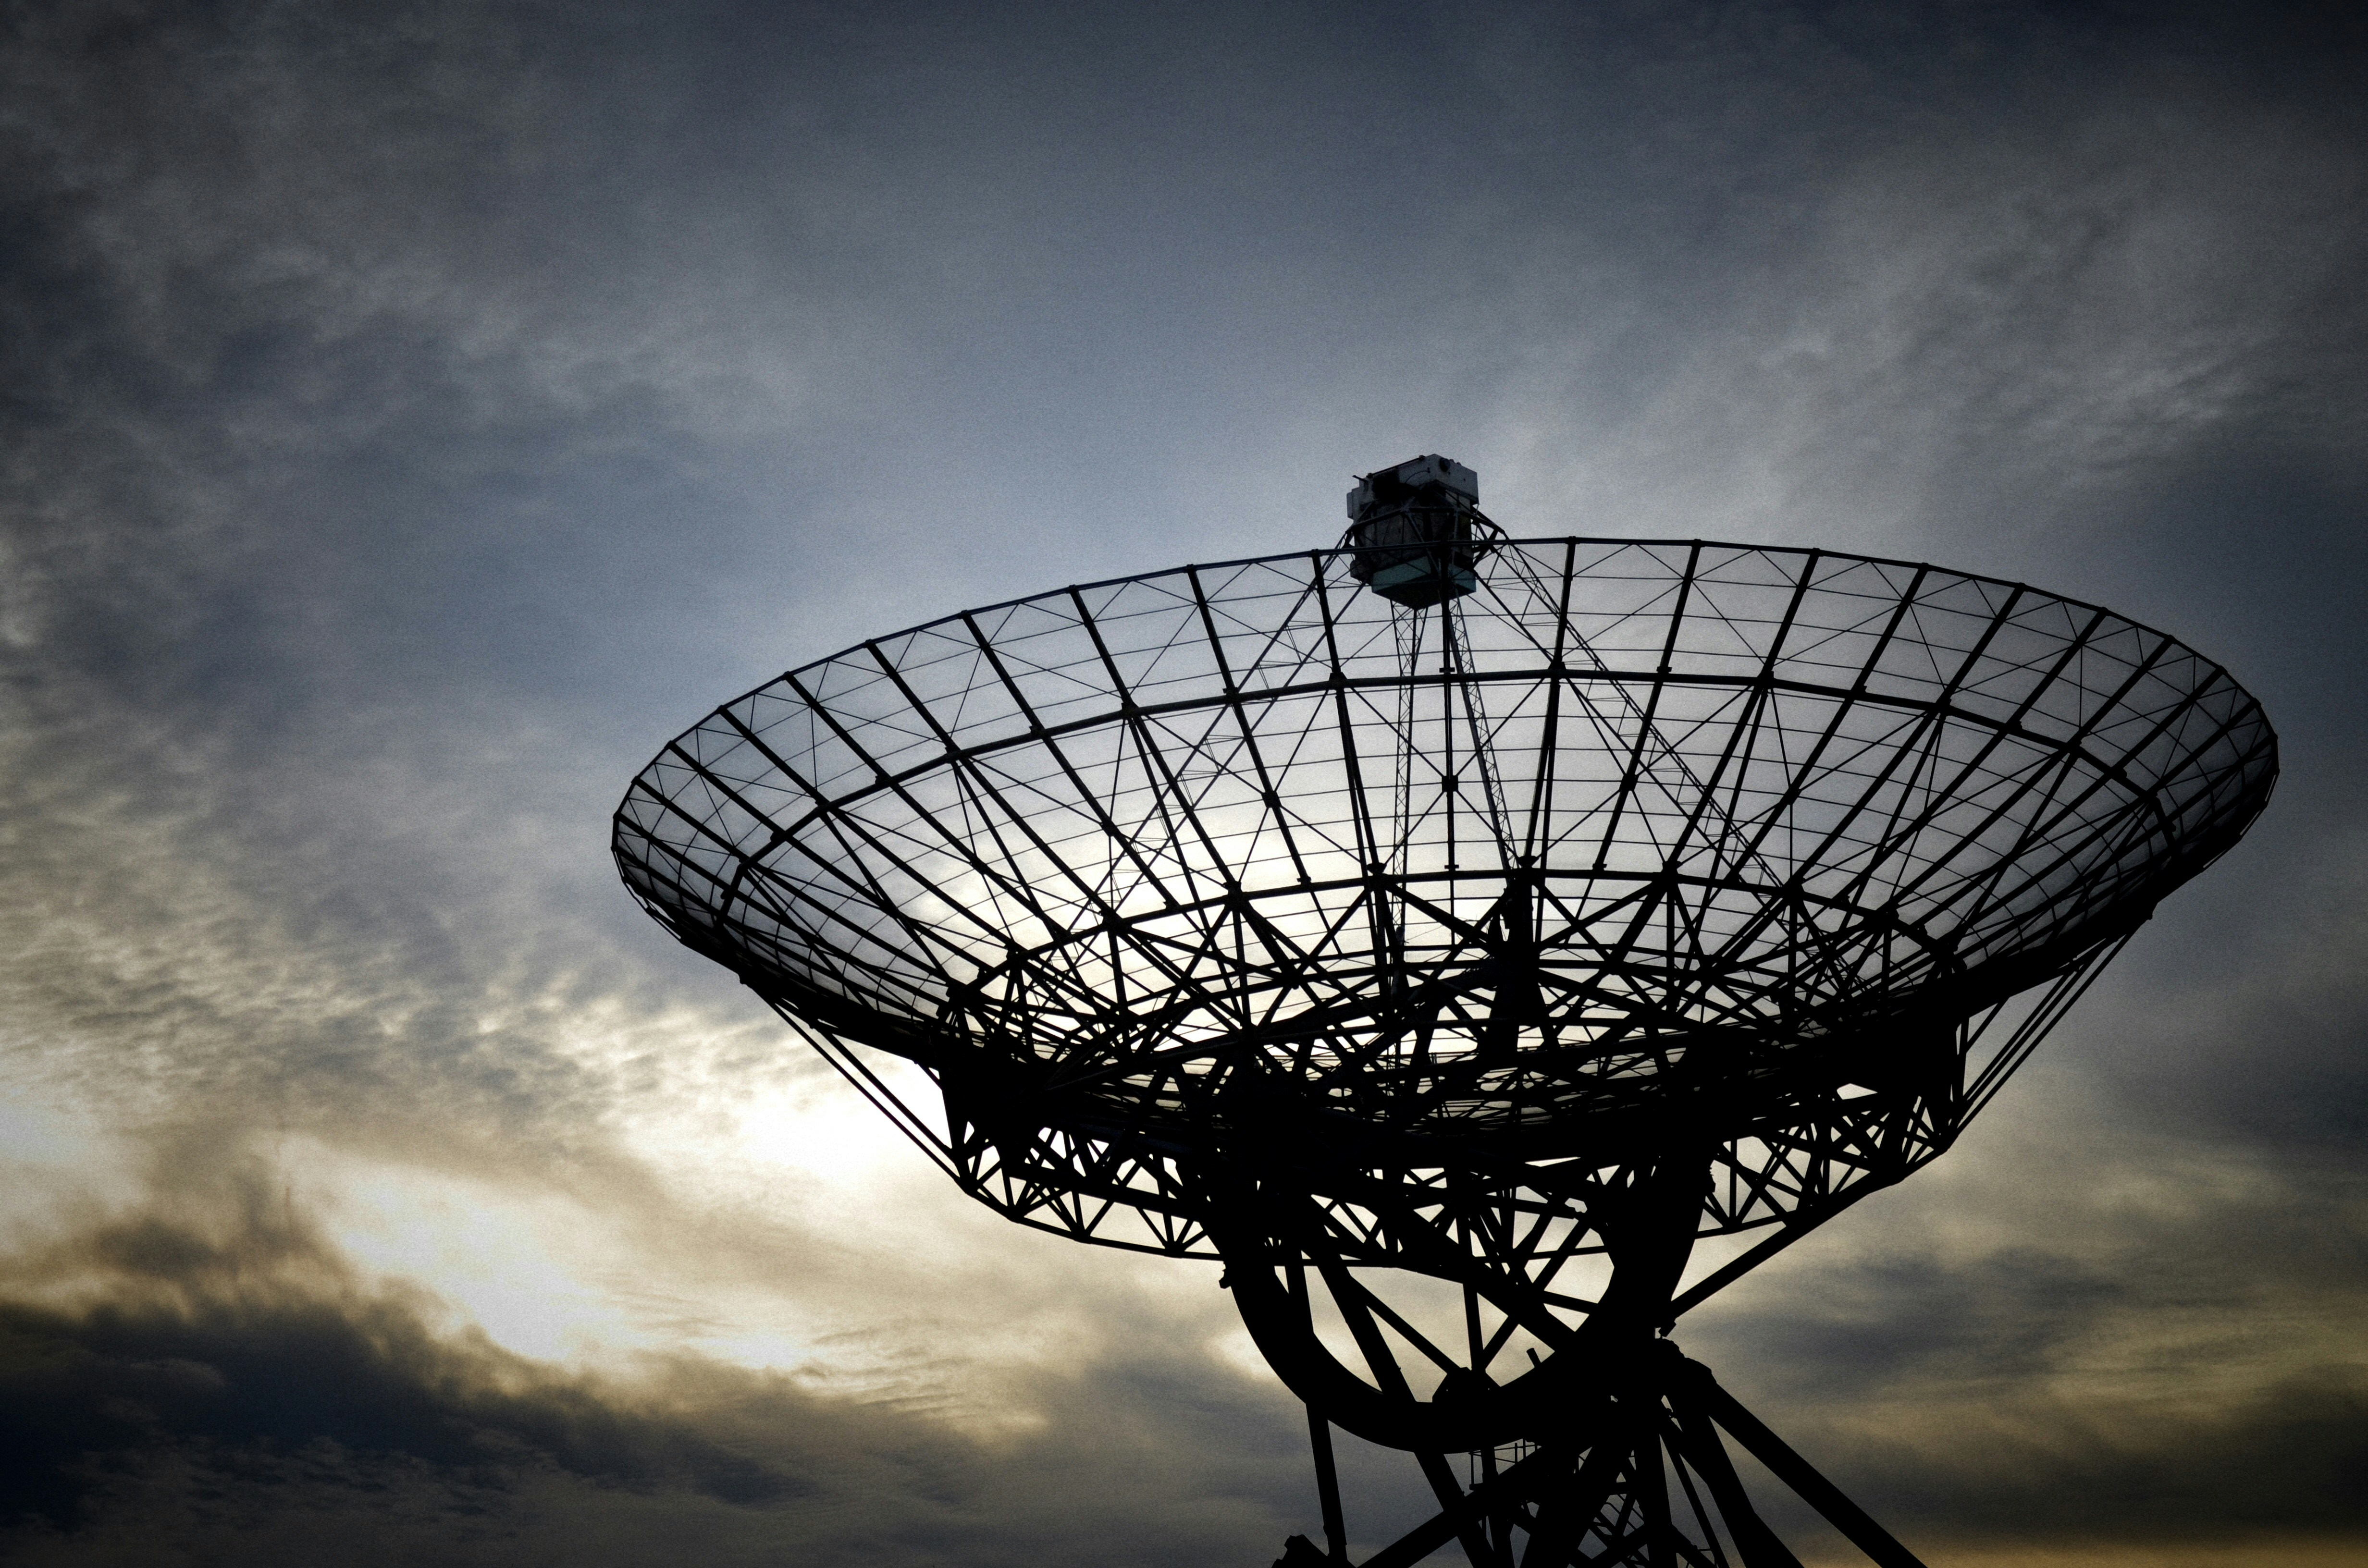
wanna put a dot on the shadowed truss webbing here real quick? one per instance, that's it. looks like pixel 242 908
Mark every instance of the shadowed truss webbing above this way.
pixel 1632 820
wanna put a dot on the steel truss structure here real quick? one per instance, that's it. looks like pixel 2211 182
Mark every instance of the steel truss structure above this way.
pixel 1450 970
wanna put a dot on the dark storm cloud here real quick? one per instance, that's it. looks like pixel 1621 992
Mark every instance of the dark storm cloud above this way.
pixel 414 413
pixel 2139 1340
pixel 1994 1398
pixel 222 1385
pixel 228 1334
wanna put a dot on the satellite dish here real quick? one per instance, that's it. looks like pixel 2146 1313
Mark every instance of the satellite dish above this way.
pixel 1450 931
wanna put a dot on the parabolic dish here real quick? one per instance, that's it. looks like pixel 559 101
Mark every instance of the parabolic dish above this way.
pixel 1636 820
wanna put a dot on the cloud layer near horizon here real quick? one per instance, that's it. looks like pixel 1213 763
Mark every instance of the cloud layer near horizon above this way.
pixel 415 415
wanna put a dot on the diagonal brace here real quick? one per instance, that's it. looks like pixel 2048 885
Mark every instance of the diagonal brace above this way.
pixel 1795 1471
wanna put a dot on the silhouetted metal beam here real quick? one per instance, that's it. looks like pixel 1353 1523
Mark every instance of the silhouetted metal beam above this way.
pixel 1448 1523
pixel 1795 1471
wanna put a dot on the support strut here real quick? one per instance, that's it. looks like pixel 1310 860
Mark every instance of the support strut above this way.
pixel 1601 1493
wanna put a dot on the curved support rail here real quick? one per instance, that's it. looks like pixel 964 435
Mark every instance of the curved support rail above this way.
pixel 1261 1229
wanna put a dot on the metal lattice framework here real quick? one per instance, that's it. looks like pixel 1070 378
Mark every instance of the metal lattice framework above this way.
pixel 1449 971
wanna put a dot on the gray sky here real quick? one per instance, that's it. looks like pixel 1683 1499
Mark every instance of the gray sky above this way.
pixel 414 414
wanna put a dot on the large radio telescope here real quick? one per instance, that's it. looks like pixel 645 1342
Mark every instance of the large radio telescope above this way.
pixel 1447 932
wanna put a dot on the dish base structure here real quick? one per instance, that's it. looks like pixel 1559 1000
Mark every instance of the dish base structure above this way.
pixel 1450 966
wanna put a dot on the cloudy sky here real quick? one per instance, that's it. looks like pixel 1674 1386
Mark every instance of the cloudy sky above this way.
pixel 413 415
